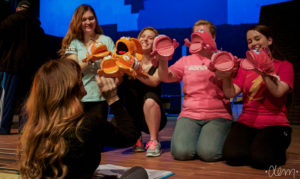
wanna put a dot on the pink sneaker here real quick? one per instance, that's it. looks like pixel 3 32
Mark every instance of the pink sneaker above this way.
pixel 201 40
pixel 138 146
pixel 153 148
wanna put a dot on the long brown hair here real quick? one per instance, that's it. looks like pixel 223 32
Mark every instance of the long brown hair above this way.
pixel 268 33
pixel 75 30
pixel 53 109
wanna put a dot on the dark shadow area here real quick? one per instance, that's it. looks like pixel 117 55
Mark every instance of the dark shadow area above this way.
pixel 282 18
pixel 107 149
pixel 165 146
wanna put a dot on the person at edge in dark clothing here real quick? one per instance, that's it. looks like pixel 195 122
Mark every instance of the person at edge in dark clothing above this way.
pixel 22 52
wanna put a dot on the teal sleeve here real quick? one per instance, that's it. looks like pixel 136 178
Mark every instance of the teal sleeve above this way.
pixel 72 49
pixel 109 43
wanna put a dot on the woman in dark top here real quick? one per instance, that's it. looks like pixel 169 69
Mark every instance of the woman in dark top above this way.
pixel 142 98
pixel 59 140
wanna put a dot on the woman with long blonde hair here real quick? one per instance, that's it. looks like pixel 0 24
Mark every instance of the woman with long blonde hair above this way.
pixel 59 140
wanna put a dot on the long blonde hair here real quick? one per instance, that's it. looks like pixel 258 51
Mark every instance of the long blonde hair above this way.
pixel 53 109
pixel 75 30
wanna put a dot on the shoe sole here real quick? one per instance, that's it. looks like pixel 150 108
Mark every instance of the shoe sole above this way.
pixel 153 154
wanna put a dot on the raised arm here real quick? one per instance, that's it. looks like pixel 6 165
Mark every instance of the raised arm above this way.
pixel 74 57
pixel 108 88
pixel 151 80
pixel 123 132
pixel 164 74
pixel 276 87
pixel 229 88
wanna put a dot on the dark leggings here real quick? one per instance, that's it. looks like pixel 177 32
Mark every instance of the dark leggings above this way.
pixel 259 148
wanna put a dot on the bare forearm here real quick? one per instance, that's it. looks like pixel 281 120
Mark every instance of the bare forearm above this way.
pixel 74 57
pixel 112 100
pixel 230 90
pixel 108 89
pixel 163 71
pixel 84 65
pixel 276 87
pixel 150 80
pixel 164 74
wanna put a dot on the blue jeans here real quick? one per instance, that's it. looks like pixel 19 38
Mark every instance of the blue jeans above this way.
pixel 199 138
pixel 10 82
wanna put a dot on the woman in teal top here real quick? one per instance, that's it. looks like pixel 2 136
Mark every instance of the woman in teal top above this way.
pixel 83 29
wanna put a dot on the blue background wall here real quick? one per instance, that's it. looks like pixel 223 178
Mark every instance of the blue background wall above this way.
pixel 129 15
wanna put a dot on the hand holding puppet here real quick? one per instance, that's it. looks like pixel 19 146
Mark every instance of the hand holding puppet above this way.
pixel 96 51
pixel 223 61
pixel 126 59
pixel 163 46
pixel 260 60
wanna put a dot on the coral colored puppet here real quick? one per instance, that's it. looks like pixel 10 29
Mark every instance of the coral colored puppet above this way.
pixel 164 46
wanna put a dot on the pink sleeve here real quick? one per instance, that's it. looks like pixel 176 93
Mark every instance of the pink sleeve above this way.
pixel 178 68
pixel 239 78
pixel 286 73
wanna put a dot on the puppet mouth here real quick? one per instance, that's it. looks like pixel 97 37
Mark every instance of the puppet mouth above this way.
pixel 121 48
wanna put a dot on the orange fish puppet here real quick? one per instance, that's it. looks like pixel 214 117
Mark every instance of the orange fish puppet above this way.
pixel 126 59
pixel 96 51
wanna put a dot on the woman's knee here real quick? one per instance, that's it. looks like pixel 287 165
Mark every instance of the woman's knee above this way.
pixel 182 153
pixel 150 103
pixel 209 155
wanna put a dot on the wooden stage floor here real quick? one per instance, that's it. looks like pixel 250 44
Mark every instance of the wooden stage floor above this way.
pixel 182 169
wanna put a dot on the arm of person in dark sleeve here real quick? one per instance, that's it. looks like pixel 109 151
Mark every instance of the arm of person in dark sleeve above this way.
pixel 123 132
pixel 11 25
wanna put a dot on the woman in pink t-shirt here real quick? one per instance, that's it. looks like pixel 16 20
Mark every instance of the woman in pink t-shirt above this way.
pixel 262 133
pixel 205 118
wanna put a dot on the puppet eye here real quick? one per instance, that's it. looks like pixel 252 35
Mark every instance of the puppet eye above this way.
pixel 125 57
